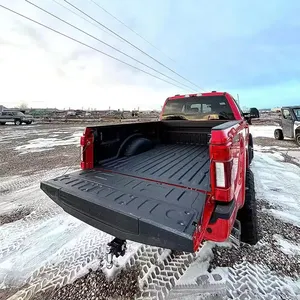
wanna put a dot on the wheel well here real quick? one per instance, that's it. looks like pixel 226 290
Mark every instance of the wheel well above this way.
pixel 126 142
pixel 134 144
pixel 297 130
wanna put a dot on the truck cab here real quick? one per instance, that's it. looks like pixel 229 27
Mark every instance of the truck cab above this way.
pixel 290 124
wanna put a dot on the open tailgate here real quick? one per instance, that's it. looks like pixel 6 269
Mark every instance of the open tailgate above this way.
pixel 130 208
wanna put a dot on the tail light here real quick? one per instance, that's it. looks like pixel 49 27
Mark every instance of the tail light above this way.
pixel 87 150
pixel 221 172
pixel 220 175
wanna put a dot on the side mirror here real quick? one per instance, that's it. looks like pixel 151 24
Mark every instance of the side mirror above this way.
pixel 247 117
pixel 254 113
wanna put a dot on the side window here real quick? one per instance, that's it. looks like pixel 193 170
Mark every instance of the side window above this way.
pixel 286 114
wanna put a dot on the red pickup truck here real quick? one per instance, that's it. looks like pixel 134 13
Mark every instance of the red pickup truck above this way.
pixel 171 183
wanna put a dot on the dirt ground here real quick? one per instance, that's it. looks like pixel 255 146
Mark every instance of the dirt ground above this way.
pixel 41 147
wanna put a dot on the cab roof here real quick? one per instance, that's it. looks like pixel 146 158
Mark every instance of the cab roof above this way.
pixel 213 93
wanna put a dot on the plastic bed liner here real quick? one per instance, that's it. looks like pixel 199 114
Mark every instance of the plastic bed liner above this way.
pixel 133 208
pixel 186 165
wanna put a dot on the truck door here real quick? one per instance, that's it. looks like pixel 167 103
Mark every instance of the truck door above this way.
pixel 287 123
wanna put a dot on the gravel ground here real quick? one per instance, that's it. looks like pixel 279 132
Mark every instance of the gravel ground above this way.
pixel 266 121
pixel 14 216
pixel 17 162
pixel 266 252
pixel 95 286
pixel 271 142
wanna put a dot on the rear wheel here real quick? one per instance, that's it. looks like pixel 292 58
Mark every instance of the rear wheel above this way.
pixel 29 122
pixel 2 123
pixel 278 134
pixel 18 122
pixel 250 149
pixel 247 215
pixel 298 139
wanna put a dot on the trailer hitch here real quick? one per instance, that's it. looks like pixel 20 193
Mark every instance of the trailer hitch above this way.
pixel 116 247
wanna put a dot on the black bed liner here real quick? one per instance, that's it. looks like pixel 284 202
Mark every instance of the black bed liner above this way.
pixel 186 165
pixel 119 199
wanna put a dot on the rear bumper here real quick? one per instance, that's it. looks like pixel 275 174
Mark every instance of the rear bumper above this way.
pixel 221 222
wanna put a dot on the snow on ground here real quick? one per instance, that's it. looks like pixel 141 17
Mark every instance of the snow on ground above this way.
pixel 286 246
pixel 286 147
pixel 263 131
pixel 47 245
pixel 43 144
pixel 46 248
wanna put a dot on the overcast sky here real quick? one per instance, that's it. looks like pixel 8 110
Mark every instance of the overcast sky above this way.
pixel 246 47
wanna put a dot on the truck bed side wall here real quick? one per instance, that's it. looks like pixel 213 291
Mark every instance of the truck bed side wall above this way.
pixel 229 145
pixel 110 141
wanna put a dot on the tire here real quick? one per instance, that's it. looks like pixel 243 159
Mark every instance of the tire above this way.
pixel 297 139
pixel 247 215
pixel 2 123
pixel 278 134
pixel 29 122
pixel 18 122
pixel 250 149
pixel 138 146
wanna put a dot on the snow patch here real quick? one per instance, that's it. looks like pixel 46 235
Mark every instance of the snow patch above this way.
pixel 263 131
pixel 292 217
pixel 287 247
pixel 42 144
pixel 278 183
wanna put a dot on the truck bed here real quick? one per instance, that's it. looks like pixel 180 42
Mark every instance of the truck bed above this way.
pixel 154 197
pixel 186 165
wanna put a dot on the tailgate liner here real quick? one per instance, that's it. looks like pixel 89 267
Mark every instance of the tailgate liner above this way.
pixel 130 208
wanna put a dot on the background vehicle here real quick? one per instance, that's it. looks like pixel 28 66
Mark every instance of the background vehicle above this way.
pixel 290 124
pixel 170 183
pixel 16 117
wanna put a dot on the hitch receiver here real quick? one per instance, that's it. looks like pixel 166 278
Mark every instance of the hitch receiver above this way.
pixel 116 247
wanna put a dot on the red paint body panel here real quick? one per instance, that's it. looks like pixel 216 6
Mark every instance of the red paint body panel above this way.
pixel 87 150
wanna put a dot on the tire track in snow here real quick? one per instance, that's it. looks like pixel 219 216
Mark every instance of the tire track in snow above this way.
pixel 14 183
pixel 72 261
